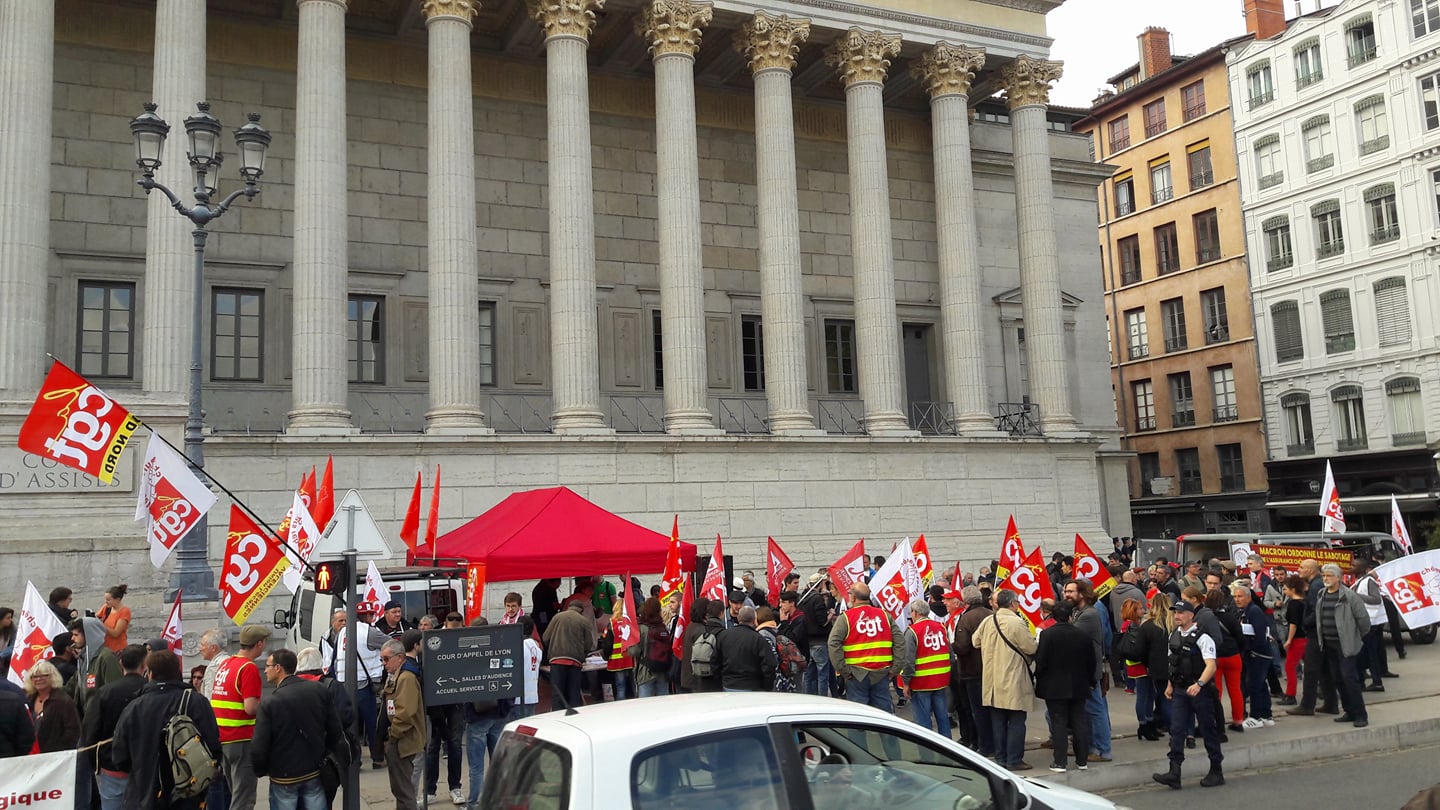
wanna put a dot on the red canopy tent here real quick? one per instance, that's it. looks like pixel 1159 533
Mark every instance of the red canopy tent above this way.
pixel 556 533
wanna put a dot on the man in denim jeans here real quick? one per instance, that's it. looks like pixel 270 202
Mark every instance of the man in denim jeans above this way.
pixel 294 728
pixel 485 721
pixel 818 607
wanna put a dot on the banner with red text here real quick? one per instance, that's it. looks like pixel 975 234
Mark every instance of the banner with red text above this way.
pixel 254 564
pixel 1413 583
pixel 171 501
pixel 1088 566
pixel 35 628
pixel 40 782
pixel 76 424
pixel 847 570
pixel 1031 585
pixel 897 584
pixel 1012 551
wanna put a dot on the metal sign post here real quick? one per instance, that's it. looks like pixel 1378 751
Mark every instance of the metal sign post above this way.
pixel 352 657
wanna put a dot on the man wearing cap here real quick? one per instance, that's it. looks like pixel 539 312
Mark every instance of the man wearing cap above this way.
pixel 235 700
pixel 1193 696
pixel 393 623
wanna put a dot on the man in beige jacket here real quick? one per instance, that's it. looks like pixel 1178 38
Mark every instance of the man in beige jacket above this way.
pixel 404 708
pixel 1006 687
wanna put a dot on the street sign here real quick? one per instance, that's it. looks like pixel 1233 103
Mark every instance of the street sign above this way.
pixel 472 663
pixel 368 540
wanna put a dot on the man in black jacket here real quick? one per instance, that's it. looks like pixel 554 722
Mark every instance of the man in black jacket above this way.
pixel 136 750
pixel 1065 674
pixel 294 730
pixel 101 716
pixel 818 607
pixel 17 733
pixel 746 660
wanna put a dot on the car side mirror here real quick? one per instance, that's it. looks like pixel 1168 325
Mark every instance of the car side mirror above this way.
pixel 1008 795
pixel 282 619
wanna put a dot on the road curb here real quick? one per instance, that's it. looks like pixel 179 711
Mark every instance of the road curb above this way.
pixel 1267 754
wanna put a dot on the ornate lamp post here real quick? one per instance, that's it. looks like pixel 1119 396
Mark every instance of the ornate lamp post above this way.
pixel 193 574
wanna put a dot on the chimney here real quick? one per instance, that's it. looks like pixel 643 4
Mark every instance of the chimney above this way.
pixel 1265 18
pixel 1154 52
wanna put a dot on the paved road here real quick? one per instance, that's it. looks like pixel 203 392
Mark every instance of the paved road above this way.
pixel 1382 781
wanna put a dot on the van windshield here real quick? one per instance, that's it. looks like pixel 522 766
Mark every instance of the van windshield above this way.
pixel 527 773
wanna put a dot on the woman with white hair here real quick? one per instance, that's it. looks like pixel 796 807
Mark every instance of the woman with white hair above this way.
pixel 57 721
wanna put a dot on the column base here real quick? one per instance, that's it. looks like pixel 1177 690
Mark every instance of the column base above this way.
pixel 892 423
pixel 691 423
pixel 579 422
pixel 1062 428
pixel 978 426
pixel 796 423
pixel 456 422
pixel 809 430
pixel 319 422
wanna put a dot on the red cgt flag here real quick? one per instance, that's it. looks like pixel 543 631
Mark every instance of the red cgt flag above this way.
pixel 1031 585
pixel 1012 551
pixel 777 566
pixel 626 629
pixel 921 550
pixel 670 580
pixel 847 570
pixel 1088 566
pixel 172 632
pixel 35 628
pixel 78 425
pixel 714 585
pixel 687 602
pixel 253 564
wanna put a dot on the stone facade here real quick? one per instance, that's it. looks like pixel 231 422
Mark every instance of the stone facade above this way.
pixel 718 467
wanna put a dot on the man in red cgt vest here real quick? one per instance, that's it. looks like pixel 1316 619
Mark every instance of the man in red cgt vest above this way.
pixel 927 668
pixel 863 645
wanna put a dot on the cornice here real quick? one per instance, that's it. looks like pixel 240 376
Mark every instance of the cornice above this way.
pixel 969 30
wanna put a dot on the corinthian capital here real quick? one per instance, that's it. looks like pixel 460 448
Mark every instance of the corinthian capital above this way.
pixel 565 18
pixel 1027 80
pixel 947 70
pixel 674 26
pixel 772 42
pixel 863 56
pixel 459 9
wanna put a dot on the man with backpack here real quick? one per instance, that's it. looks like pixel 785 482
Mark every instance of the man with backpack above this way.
pixel 744 658
pixel 296 727
pixel 789 661
pixel 704 661
pixel 167 731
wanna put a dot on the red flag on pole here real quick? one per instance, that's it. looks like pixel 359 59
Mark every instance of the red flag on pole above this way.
pixel 1088 566
pixel 410 528
pixel 847 570
pixel 922 560
pixel 625 628
pixel 172 632
pixel 35 628
pixel 1031 585
pixel 1333 516
pixel 687 603
pixel 76 424
pixel 474 590
pixel 670 580
pixel 957 583
pixel 714 585
pixel 254 562
pixel 777 566
pixel 1012 551
pixel 432 526
pixel 325 496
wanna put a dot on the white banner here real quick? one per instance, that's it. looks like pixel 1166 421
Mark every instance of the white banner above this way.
pixel 898 583
pixel 35 628
pixel 303 537
pixel 39 782
pixel 375 588
pixel 1413 582
pixel 172 500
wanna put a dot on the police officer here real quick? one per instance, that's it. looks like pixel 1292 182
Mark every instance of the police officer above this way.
pixel 1193 695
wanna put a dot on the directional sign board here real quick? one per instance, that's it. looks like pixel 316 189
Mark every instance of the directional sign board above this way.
pixel 472 663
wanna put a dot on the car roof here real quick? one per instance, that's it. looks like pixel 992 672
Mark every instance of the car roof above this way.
pixel 690 713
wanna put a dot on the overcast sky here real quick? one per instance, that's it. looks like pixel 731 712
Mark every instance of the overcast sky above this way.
pixel 1096 38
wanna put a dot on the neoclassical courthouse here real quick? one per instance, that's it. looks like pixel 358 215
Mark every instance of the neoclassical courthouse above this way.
pixel 809 269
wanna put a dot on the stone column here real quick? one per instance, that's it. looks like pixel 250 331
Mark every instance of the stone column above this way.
pixel 27 70
pixel 321 263
pixel 574 354
pixel 947 71
pixel 771 43
pixel 673 27
pixel 454 284
pixel 1027 82
pixel 862 59
pixel 179 83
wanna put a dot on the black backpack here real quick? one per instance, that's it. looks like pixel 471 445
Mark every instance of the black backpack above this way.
pixel 192 766
pixel 657 649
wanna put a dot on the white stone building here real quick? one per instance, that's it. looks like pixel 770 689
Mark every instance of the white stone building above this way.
pixel 1339 150
pixel 751 263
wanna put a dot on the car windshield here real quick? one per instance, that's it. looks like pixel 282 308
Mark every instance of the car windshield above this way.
pixel 733 770
pixel 855 767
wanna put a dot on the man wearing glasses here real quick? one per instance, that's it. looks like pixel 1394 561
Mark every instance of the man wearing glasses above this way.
pixel 297 725
pixel 405 719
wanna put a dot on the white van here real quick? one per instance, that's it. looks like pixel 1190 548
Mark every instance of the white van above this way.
pixel 420 589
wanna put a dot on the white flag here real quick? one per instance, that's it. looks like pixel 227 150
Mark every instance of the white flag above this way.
pixel 172 499
pixel 375 589
pixel 1397 527
pixel 898 583
pixel 172 632
pixel 303 537
pixel 35 628
pixel 1334 516
pixel 1413 583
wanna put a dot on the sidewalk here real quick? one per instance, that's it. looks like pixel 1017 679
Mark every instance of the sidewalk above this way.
pixel 1407 714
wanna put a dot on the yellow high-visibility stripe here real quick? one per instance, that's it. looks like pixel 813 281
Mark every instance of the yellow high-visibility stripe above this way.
pixel 866 645
pixel 932 658
pixel 920 673
pixel 227 704
pixel 869 659
pixel 227 723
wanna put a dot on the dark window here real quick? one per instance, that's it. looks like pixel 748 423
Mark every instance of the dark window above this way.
pixel 657 352
pixel 1149 471
pixel 1207 236
pixel 366 338
pixel 1336 318
pixel 1202 173
pixel 1425 15
pixel 1192 96
pixel 1187 464
pixel 1154 118
pixel 1299 435
pixel 237 332
pixel 105 344
pixel 1167 249
pixel 737 768
pixel 1129 249
pixel 487 342
pixel 1172 316
pixel 528 772
pixel 1232 467
pixel 1217 320
pixel 1124 196
pixel 1285 322
pixel 840 356
pixel 1360 40
pixel 752 352
pixel 1182 400
pixel 1120 133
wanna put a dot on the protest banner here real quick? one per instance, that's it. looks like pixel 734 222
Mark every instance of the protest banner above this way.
pixel 1289 557
pixel 253 565
pixel 40 782
pixel 1088 566
pixel 1012 551
pixel 76 424
pixel 35 628
pixel 1413 583
pixel 171 500
pixel 777 566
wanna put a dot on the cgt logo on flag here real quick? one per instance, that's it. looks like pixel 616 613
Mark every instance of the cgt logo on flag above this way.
pixel 76 424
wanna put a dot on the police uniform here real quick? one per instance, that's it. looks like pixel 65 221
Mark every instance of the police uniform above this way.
pixel 1189 650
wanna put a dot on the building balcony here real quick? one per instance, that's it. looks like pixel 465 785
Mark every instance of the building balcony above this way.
pixel 1360 57
pixel 1340 343
pixel 1308 79
pixel 1162 194
pixel 1303 449
pixel 1176 344
pixel 1377 145
pixel 1144 423
pixel 1154 128
pixel 1262 99
pixel 1346 445
pixel 1194 111
pixel 1200 180
pixel 1018 418
pixel 1383 235
pixel 1319 163
pixel 1280 262
pixel 1328 250
pixel 1181 419
pixel 1218 333
pixel 1118 144
pixel 1226 413
pixel 1129 276
pixel 1139 351
pixel 1408 439
pixel 1270 180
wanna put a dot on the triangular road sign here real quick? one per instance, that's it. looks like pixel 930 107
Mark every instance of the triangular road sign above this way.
pixel 369 542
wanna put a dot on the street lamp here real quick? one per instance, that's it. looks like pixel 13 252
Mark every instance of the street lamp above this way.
pixel 193 574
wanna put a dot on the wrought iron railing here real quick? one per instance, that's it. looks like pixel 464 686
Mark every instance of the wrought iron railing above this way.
pixel 1345 445
pixel 1301 449
pixel 1226 413
pixel 518 413
pixel 744 415
pixel 1018 418
pixel 843 416
pixel 638 414
pixel 933 418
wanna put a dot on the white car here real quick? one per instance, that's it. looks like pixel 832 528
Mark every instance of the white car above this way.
pixel 750 751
